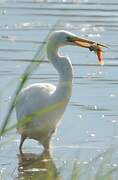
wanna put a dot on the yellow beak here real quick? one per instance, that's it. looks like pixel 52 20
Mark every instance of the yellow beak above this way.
pixel 92 46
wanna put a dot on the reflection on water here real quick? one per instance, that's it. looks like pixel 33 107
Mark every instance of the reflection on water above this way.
pixel 39 167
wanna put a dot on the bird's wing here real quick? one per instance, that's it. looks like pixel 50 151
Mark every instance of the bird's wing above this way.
pixel 33 98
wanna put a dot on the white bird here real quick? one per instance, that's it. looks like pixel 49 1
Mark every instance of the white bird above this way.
pixel 40 106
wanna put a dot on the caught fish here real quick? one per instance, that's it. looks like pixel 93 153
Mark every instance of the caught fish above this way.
pixel 98 50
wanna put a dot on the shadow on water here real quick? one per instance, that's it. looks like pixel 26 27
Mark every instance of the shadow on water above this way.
pixel 32 166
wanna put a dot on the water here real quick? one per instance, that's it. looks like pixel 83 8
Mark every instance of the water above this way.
pixel 90 123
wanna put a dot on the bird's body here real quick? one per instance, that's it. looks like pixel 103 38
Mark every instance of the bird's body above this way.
pixel 39 102
pixel 40 106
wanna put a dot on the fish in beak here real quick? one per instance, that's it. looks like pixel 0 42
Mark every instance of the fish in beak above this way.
pixel 92 46
pixel 98 50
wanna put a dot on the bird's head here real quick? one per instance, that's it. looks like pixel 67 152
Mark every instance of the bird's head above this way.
pixel 62 38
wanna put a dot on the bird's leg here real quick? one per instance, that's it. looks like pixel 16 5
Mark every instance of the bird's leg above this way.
pixel 46 144
pixel 23 137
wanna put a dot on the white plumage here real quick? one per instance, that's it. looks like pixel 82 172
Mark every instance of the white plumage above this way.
pixel 40 106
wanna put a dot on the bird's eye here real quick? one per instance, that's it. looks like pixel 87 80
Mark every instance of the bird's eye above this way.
pixel 69 39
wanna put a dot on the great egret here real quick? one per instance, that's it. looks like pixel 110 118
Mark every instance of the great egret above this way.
pixel 40 106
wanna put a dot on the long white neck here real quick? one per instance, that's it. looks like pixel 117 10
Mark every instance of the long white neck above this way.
pixel 62 64
pixel 64 68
